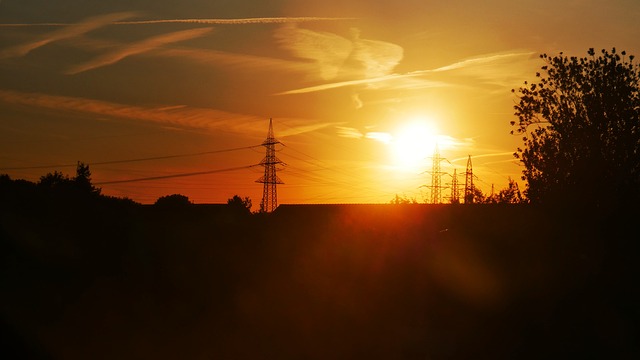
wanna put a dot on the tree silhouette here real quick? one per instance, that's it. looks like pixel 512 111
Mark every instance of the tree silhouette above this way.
pixel 61 185
pixel 83 179
pixel 174 200
pixel 511 194
pixel 54 180
pixel 240 204
pixel 402 200
pixel 476 196
pixel 581 127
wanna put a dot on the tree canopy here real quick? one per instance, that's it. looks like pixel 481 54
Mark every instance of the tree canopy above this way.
pixel 580 125
pixel 402 200
pixel 240 204
pixel 173 200
pixel 78 186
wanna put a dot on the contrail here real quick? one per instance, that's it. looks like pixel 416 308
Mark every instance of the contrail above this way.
pixel 70 31
pixel 264 20
pixel 139 48
pixel 481 60
pixel 418 73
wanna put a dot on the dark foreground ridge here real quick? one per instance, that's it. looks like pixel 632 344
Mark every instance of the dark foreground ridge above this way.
pixel 117 280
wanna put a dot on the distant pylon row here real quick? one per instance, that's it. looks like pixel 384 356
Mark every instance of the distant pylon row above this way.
pixel 436 177
pixel 436 181
pixel 270 179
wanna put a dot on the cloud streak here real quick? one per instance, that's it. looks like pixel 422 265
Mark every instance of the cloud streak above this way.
pixel 327 50
pixel 369 81
pixel 175 116
pixel 483 68
pixel 482 60
pixel 138 48
pixel 239 21
pixel 69 31
pixel 205 56
pixel 233 59
pixel 337 56
pixel 180 117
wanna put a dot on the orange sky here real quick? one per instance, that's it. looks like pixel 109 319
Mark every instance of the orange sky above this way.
pixel 359 92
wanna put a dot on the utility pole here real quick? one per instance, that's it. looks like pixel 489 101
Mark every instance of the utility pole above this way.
pixel 269 193
pixel 468 183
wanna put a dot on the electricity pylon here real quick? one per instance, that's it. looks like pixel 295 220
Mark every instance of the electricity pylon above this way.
pixel 270 193
pixel 436 177
pixel 468 183
pixel 455 188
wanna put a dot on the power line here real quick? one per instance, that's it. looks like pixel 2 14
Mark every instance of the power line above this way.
pixel 320 164
pixel 111 162
pixel 176 175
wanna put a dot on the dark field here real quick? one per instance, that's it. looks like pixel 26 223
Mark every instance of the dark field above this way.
pixel 123 281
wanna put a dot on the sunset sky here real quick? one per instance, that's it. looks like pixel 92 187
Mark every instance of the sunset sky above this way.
pixel 359 91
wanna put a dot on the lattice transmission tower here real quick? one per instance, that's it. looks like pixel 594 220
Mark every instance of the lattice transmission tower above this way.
pixel 270 179
pixel 455 188
pixel 436 177
pixel 468 183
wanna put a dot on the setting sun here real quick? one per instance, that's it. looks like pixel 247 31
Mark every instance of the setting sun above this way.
pixel 414 142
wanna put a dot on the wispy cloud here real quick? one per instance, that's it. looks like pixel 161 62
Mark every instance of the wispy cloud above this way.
pixel 138 48
pixel 177 116
pixel 337 56
pixel 168 116
pixel 382 137
pixel 202 56
pixel 389 138
pixel 303 128
pixel 349 132
pixel 369 81
pixel 327 50
pixel 496 69
pixel 77 30
pixel 69 31
pixel 374 58
pixel 215 57
pixel 482 60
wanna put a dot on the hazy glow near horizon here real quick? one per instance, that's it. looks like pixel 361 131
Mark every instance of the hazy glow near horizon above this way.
pixel 359 93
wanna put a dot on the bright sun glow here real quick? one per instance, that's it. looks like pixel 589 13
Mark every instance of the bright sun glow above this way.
pixel 413 143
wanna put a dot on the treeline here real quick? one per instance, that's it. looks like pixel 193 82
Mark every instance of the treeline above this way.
pixel 66 193
pixel 55 188
pixel 509 195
